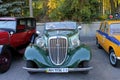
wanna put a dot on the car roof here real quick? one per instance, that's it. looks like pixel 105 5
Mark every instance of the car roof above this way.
pixel 14 18
pixel 112 21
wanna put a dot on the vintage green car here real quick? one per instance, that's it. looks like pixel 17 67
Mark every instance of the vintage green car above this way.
pixel 58 50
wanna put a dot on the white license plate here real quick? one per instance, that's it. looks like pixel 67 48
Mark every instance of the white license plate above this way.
pixel 57 70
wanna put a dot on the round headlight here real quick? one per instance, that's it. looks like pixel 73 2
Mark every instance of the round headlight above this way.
pixel 40 42
pixel 75 42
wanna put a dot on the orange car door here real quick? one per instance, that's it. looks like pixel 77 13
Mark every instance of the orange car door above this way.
pixel 100 34
pixel 105 37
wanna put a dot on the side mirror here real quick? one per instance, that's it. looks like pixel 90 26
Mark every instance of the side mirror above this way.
pixel 11 32
pixel 79 27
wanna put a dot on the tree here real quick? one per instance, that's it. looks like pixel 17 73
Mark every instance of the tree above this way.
pixel 13 8
pixel 112 3
pixel 53 9
pixel 78 10
pixel 110 6
pixel 40 10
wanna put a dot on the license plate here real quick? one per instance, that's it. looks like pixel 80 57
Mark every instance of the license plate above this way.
pixel 57 70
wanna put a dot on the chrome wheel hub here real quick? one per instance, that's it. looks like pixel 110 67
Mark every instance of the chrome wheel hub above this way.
pixel 113 58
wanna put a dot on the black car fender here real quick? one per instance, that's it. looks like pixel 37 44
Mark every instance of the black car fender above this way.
pixel 4 47
pixel 33 38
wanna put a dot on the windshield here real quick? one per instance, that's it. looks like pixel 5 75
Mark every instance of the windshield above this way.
pixel 60 25
pixel 115 28
pixel 65 32
pixel 8 24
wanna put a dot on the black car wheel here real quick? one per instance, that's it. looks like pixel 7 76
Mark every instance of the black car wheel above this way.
pixel 98 45
pixel 31 64
pixel 84 64
pixel 5 60
pixel 113 59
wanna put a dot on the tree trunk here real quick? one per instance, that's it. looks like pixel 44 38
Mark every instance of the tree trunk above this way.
pixel 30 7
pixel 112 3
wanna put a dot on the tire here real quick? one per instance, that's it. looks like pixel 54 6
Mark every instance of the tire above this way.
pixel 84 64
pixel 98 45
pixel 113 59
pixel 6 59
pixel 31 64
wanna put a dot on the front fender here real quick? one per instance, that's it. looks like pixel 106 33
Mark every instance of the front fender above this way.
pixel 36 54
pixel 82 53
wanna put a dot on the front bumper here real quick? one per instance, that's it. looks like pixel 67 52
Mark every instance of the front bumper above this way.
pixel 118 58
pixel 58 70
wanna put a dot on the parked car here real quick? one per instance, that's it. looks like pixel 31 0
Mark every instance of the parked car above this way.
pixel 58 50
pixel 108 38
pixel 14 33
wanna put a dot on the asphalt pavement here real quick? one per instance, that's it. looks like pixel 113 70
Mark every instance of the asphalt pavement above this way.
pixel 102 70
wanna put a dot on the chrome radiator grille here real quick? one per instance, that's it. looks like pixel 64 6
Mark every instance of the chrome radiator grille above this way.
pixel 58 49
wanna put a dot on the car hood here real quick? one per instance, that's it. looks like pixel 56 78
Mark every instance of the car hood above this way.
pixel 117 37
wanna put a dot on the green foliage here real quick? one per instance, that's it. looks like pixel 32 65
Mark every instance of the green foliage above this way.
pixel 103 17
pixel 94 9
pixel 85 14
pixel 77 10
pixel 11 8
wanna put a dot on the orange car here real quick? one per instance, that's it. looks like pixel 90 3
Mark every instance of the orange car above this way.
pixel 108 37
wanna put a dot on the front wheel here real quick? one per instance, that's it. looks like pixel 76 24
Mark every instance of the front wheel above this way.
pixel 84 64
pixel 5 60
pixel 98 44
pixel 113 59
pixel 31 64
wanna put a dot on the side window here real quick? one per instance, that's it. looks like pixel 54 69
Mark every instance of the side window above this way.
pixel 34 23
pixel 21 22
pixel 21 25
pixel 102 27
pixel 30 23
pixel 106 28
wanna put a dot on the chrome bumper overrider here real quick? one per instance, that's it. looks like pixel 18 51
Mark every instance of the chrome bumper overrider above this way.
pixel 118 58
pixel 45 69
